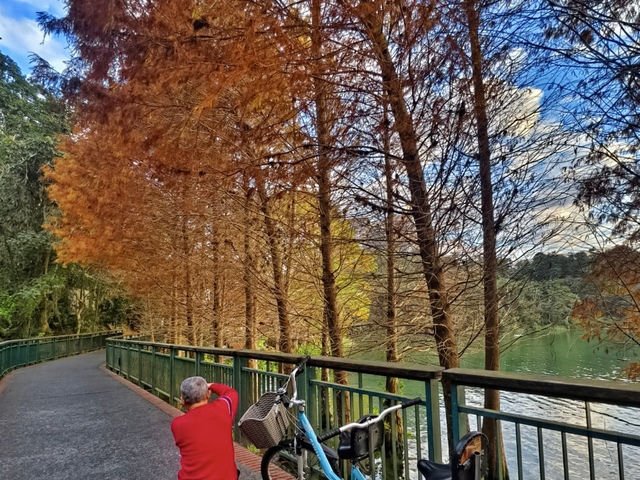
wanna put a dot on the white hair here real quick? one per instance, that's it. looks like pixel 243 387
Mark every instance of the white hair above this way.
pixel 193 389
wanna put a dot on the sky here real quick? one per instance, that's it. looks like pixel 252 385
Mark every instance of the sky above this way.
pixel 20 35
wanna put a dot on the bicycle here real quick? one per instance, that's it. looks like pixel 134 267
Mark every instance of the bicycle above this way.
pixel 304 454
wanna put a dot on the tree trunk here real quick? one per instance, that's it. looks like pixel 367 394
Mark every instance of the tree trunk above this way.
pixel 284 341
pixel 391 320
pixel 173 322
pixel 421 210
pixel 490 427
pixel 325 405
pixel 187 282
pixel 392 323
pixel 80 306
pixel 250 341
pixel 217 290
pixel 44 312
pixel 323 172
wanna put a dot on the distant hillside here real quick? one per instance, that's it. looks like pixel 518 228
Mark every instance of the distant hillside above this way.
pixel 554 266
pixel 542 291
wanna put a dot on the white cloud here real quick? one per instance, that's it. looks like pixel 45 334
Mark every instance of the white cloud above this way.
pixel 519 113
pixel 22 36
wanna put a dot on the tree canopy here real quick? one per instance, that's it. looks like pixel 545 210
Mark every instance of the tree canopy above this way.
pixel 299 143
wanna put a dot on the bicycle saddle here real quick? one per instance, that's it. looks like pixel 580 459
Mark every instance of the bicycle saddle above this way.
pixel 434 471
pixel 468 451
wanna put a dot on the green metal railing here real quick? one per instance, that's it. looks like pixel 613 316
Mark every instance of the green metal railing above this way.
pixel 416 434
pixel 562 434
pixel 20 353
pixel 581 440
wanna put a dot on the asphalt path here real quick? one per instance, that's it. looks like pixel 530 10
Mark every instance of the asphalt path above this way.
pixel 69 420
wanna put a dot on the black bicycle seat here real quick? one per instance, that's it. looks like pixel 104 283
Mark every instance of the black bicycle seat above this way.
pixel 434 471
pixel 466 462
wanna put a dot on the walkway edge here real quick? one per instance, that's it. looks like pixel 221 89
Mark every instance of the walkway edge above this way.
pixel 148 396
pixel 5 381
pixel 244 456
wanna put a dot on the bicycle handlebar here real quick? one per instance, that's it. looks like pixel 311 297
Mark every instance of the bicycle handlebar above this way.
pixel 292 378
pixel 412 402
pixel 335 432
pixel 330 434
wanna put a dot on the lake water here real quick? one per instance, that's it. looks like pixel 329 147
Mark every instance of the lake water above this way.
pixel 562 353
pixel 565 353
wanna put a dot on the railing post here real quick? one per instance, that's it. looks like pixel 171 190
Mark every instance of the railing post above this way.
pixel 119 355
pixel 240 363
pixel 128 361
pixel 587 409
pixel 457 418
pixel 139 364
pixel 434 435
pixel 198 360
pixel 310 391
pixel 172 356
pixel 153 369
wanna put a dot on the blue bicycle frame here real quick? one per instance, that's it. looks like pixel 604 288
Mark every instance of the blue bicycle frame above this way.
pixel 322 457
pixel 313 438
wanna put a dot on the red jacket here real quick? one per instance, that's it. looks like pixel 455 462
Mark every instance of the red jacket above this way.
pixel 203 436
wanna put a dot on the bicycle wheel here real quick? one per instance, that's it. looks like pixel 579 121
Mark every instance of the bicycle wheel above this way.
pixel 282 458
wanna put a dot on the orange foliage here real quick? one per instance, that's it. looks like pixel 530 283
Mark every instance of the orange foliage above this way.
pixel 179 100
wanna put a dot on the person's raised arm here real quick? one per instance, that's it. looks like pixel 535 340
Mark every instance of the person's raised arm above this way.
pixel 226 394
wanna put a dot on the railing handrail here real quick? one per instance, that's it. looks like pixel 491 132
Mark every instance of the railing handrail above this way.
pixel 591 390
pixel 601 391
pixel 408 371
pixel 22 352
pixel 60 337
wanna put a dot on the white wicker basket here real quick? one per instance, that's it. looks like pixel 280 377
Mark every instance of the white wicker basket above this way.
pixel 265 422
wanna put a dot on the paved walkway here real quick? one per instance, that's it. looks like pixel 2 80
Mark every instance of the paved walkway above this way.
pixel 70 419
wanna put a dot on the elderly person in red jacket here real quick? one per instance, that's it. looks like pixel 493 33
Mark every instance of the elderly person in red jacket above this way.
pixel 203 433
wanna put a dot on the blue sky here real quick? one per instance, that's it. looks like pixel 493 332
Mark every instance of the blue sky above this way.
pixel 20 35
